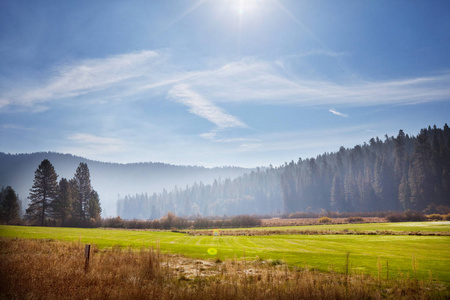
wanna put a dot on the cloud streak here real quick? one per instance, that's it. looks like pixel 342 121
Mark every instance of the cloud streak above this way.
pixel 200 106
pixel 334 112
pixel 139 74
pixel 261 82
pixel 84 77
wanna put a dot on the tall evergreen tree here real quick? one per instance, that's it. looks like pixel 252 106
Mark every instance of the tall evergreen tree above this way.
pixel 82 192
pixel 9 206
pixel 404 190
pixel 337 193
pixel 420 180
pixel 62 205
pixel 94 209
pixel 86 202
pixel 43 192
pixel 399 156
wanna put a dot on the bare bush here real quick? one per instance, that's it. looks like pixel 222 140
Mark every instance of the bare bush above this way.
pixel 325 220
pixel 355 220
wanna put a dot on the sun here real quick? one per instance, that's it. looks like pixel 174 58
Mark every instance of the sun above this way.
pixel 248 6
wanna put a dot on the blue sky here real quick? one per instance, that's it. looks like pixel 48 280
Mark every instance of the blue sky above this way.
pixel 219 82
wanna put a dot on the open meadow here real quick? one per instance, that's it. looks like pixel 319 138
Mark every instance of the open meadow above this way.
pixel 393 256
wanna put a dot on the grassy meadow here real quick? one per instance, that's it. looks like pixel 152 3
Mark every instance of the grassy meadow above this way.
pixel 442 226
pixel 381 256
pixel 50 269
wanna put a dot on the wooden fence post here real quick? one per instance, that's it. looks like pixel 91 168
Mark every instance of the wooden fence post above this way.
pixel 87 251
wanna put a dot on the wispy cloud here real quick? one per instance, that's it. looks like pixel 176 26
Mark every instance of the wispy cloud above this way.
pixel 83 77
pixel 203 108
pixel 334 112
pixel 257 82
pixel 262 83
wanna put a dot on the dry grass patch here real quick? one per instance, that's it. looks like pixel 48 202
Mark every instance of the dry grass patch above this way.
pixel 46 269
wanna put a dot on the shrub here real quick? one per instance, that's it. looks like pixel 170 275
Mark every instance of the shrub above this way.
pixel 325 220
pixel 414 216
pixel 201 223
pixel 447 217
pixel 435 217
pixel 407 216
pixel 355 220
pixel 170 220
pixel 245 221
pixel 116 222
pixel 302 214
pixel 437 209
pixel 396 217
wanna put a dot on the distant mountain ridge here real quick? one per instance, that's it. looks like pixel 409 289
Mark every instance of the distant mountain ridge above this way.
pixel 109 179
pixel 397 173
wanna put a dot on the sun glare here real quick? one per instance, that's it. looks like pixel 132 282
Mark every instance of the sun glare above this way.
pixel 247 6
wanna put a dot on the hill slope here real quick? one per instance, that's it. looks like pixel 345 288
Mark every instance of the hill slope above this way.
pixel 399 173
pixel 109 179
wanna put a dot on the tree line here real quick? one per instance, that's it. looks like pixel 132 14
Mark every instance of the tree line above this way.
pixel 70 202
pixel 257 192
pixel 9 206
pixel 397 173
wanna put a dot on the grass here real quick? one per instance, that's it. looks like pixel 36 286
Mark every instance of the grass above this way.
pixel 42 269
pixel 443 226
pixel 428 254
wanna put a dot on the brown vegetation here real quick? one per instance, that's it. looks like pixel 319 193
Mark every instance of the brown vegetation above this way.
pixel 171 221
pixel 315 221
pixel 46 269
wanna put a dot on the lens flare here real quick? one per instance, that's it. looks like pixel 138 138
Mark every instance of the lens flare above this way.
pixel 212 251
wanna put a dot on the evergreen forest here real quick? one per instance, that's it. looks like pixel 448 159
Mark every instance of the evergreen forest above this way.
pixel 391 174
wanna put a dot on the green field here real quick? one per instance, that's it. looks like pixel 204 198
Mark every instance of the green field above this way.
pixel 443 226
pixel 369 254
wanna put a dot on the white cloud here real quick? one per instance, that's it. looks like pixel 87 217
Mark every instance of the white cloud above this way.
pixel 334 112
pixel 85 77
pixel 204 108
pixel 262 82
pixel 137 74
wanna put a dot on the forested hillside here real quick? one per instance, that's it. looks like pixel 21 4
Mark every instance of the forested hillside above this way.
pixel 108 179
pixel 397 173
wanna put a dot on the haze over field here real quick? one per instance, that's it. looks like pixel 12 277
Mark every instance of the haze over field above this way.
pixel 224 82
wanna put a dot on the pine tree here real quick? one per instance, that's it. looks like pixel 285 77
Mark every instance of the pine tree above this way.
pixel 94 209
pixel 337 193
pixel 81 185
pixel 399 156
pixel 86 202
pixel 62 205
pixel 9 206
pixel 420 173
pixel 404 190
pixel 446 172
pixel 42 194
